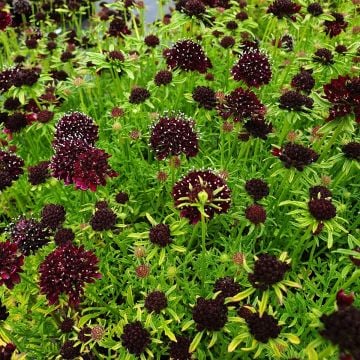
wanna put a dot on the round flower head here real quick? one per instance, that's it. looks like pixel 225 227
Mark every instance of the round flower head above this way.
pixel 163 77
pixel 342 328
pixel 155 301
pixel 323 56
pixel 264 327
pixel 303 81
pixel 69 350
pixel 103 219
pixel 256 214
pixel 322 209
pixel 201 193
pixel 205 97
pixel 4 314
pixel 122 197
pixel 319 192
pixel 258 127
pixel 268 270
pixel 7 78
pixel 66 270
pixel 6 351
pixel 352 150
pixel 179 350
pixel 135 338
pixel 76 126
pixel 283 8
pixel 152 41
pixel 5 20
pixel 335 27
pixel 257 188
pixel 63 235
pixel 297 156
pixel 315 9
pixel 241 104
pixel 11 262
pixel 160 235
pixel 343 93
pixel 194 8
pixel 138 95
pixel 227 287
pixel 172 136
pixel 66 326
pixel 253 68
pixel 210 314
pixel 10 168
pixel 15 122
pixel 293 100
pixel 52 216
pixel 39 173
pixel 227 42
pixel 29 235
pixel 188 56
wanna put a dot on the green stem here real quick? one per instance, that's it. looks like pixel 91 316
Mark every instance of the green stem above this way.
pixel 203 249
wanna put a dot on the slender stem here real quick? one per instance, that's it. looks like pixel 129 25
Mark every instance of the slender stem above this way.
pixel 203 248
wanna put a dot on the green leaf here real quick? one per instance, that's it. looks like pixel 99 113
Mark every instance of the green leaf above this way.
pixel 169 334
pixel 196 341
pixel 264 302
pixel 187 325
pixel 236 342
pixel 213 340
pixel 292 338
pixel 240 296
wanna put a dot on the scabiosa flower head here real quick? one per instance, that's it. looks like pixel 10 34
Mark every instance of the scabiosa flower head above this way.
pixel 64 235
pixel 335 27
pixel 205 97
pixel 303 81
pixel 91 169
pixel 253 68
pixel 264 327
pixel 11 104
pixel 293 100
pixel 135 338
pixel 342 328
pixel 11 262
pixel 258 127
pixel 66 325
pixel 5 20
pixel 352 150
pixel 322 209
pixel 7 77
pixel 122 197
pixel 257 188
pixel 241 104
pixel 116 55
pixel 97 332
pixel 174 135
pixel 4 314
pixel 210 314
pixel 227 286
pixel 29 235
pixel 341 49
pixel 66 270
pixel 10 168
pixel 227 42
pixel 152 41
pixel 155 301
pixel 15 122
pixel 118 28
pixel 138 95
pixel 323 56
pixel 188 56
pixel 232 25
pixel 286 42
pixel 163 77
pixel 6 351
pixel 84 334
pixel 44 116
pixel 69 350
pixel 142 271
pixel 194 8
pixel 315 9
pixel 319 192
pixel 297 156
pixel 160 235
pixel 103 219
pixel 256 214
pixel 343 300
pixel 21 7
pixel 283 8
pixel 179 350
pixel 52 216
pixel 205 189
pixel 268 270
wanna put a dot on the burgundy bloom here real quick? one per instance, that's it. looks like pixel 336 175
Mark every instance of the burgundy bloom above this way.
pixel 172 136
pixel 343 300
pixel 155 301
pixel 227 42
pixel 12 104
pixel 179 350
pixel 160 235
pixel 188 56
pixel 194 8
pixel 257 188
pixel 116 55
pixel 4 314
pixel 335 27
pixel 323 56
pixel 63 235
pixel 258 127
pixel 264 327
pixel 163 77
pixel 286 42
pixel 315 9
pixel 256 214
pixel 232 25
pixel 344 94
pixel 138 95
pixel 91 169
pixel 152 41
pixel 122 197
pixel 15 122
pixel 293 100
pixel 52 216
pixel 5 20
pixel 103 219
pixel 135 338
pixel 6 351
pixel 253 68
pixel 29 235
pixel 303 81
pixel 351 150
pixel 7 77
pixel 341 49
pixel 11 262
pixel 44 116
pixel 241 104
pixel 10 168
pixel 205 97
pixel 322 209
pixel 227 287
pixel 201 189
pixel 27 77
pixel 76 126
pixel 66 325
pixel 283 8
pixel 118 27
pixel 319 192
pixel 66 270
pixel 297 156
pixel 69 351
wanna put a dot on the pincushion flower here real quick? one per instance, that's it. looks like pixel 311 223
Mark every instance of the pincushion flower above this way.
pixel 5 20
pixel 66 270
pixel 39 173
pixel 11 167
pixel 174 135
pixel 201 194
pixel 284 8
pixel 11 262
pixel 188 56
pixel 253 68
pixel 336 26
pixel 344 95
pixel 135 338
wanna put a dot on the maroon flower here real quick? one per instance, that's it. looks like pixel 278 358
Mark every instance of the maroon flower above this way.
pixel 351 150
pixel 91 169
pixel 172 136
pixel 253 68
pixel 227 287
pixel 10 264
pixel 10 168
pixel 323 56
pixel 258 127
pixel 118 27
pixel 63 235
pixel 241 104
pixel 319 192
pixel 188 56
pixel 297 156
pixel 66 270
pixel 264 327
pixel 103 219
pixel 38 174
pixel 15 122
pixel 322 209
pixel 201 191
pixel 5 20
pixel 194 8
pixel 122 197
pixel 6 351
pixel 29 235
pixel 303 81
pixel 116 55
pixel 293 100
pixel 315 9
pixel 257 188
pixel 163 77
pixel 135 338
pixel 343 300
pixel 283 8
pixel 155 301
pixel 69 350
pixel 344 95
pixel 335 27
pixel 152 41
pixel 12 104
pixel 160 235
pixel 256 214
pixel 205 97
pixel 138 95
pixel 52 216
pixel 227 42
pixel 7 77
pixel 179 350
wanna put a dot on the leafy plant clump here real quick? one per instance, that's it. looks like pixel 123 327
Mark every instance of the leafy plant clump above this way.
pixel 185 189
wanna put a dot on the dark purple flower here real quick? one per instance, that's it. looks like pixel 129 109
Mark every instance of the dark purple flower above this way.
pixel 253 68
pixel 138 95
pixel 135 338
pixel 11 104
pixel 155 301
pixel 66 270
pixel 163 77
pixel 5 20
pixel 69 350
pixel 258 127
pixel 194 8
pixel 256 214
pixel 257 188
pixel 322 209
pixel 351 150
pixel 227 42
pixel 201 189
pixel 122 197
pixel 15 122
pixel 284 8
pixel 188 56
pixel 319 192
pixel 315 9
pixel 103 219
pixel 118 27
pixel 227 287
pixel 172 136
pixel 152 41
pixel 39 173
pixel 335 27
pixel 205 97
pixel 303 81
pixel 6 351
pixel 52 216
pixel 66 326
pixel 4 314
pixel 297 156
pixel 293 100
pixel 11 262
pixel 10 168
pixel 160 235
pixel 323 56
pixel 63 235
pixel 179 350
pixel 264 327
